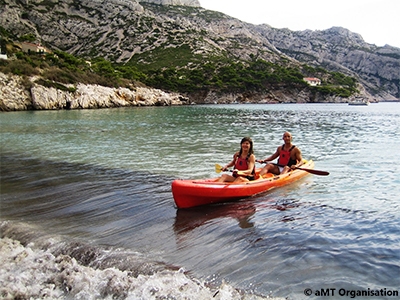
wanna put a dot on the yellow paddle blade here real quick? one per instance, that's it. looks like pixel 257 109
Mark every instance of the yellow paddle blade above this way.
pixel 218 168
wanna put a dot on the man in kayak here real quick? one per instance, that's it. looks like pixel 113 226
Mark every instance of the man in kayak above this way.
pixel 244 163
pixel 289 157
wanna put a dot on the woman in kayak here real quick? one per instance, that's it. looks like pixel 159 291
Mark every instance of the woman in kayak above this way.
pixel 244 163
pixel 289 156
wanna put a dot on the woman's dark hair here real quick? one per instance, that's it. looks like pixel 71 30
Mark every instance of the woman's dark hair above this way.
pixel 246 139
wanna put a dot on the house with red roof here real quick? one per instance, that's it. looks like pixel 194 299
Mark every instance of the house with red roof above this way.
pixel 312 81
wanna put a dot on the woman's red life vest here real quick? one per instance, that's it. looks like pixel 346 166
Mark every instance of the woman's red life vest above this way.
pixel 242 164
pixel 284 157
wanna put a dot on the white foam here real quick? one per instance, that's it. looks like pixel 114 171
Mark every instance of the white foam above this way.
pixel 27 272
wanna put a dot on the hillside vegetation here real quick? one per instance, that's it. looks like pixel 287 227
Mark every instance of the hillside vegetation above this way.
pixel 172 69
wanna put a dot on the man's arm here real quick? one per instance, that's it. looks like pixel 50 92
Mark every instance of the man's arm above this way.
pixel 299 157
pixel 272 157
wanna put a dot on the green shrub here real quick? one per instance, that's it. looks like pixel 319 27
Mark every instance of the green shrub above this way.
pixel 176 69
pixel 18 67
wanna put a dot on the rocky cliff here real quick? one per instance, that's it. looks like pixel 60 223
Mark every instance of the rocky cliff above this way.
pixel 127 30
pixel 14 96
pixel 339 49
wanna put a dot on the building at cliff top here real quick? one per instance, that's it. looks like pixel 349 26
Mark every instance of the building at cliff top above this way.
pixel 312 81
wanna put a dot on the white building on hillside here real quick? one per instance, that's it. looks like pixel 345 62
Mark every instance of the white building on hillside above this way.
pixel 312 81
pixel 30 47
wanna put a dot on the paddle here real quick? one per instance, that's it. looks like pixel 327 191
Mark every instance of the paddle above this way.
pixel 312 171
pixel 218 169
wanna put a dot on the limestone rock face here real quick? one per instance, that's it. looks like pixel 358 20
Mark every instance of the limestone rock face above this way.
pixel 339 49
pixel 14 96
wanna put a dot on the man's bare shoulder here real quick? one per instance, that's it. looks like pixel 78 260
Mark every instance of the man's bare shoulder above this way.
pixel 296 149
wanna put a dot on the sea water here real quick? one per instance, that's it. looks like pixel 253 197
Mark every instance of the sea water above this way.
pixel 87 210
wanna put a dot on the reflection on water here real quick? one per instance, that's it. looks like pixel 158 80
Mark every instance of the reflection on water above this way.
pixel 188 219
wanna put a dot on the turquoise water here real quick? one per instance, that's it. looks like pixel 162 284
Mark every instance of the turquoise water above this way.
pixel 102 177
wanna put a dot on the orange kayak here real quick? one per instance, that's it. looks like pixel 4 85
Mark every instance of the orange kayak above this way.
pixel 189 193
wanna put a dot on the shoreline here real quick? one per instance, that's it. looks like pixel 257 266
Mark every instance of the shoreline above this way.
pixel 15 96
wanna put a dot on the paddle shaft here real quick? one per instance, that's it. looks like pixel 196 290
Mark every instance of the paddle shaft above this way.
pixel 219 168
pixel 233 173
pixel 312 171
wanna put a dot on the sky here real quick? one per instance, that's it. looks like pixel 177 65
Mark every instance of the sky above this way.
pixel 377 21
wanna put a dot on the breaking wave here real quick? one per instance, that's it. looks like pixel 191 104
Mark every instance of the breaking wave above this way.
pixel 40 266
